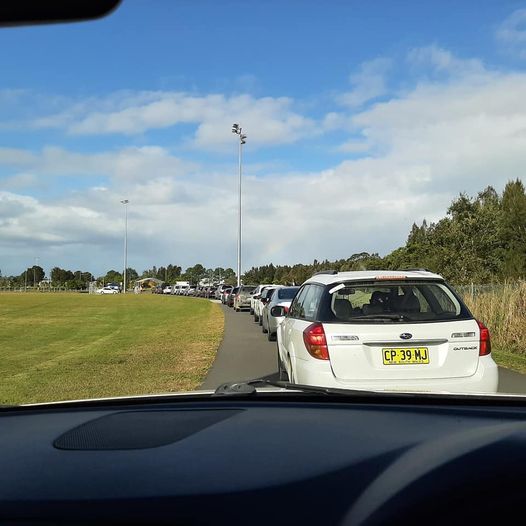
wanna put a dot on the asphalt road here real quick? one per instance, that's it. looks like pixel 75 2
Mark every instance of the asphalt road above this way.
pixel 245 354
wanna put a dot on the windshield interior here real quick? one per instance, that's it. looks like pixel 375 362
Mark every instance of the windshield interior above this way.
pixel 161 164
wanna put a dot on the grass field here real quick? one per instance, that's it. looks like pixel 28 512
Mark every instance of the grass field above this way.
pixel 70 346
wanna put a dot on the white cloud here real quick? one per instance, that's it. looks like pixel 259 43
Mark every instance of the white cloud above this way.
pixel 268 120
pixel 127 164
pixel 441 60
pixel 512 32
pixel 368 83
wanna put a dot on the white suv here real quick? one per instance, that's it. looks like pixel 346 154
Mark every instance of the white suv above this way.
pixel 384 330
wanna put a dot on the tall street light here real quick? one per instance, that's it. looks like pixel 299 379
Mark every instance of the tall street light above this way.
pixel 35 274
pixel 125 203
pixel 236 128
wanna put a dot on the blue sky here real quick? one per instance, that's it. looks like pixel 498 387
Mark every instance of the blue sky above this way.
pixel 362 117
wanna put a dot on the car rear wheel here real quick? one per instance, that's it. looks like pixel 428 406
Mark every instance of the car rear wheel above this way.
pixel 271 336
pixel 251 312
pixel 256 318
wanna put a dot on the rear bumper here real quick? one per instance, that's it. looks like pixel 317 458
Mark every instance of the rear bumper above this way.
pixel 485 379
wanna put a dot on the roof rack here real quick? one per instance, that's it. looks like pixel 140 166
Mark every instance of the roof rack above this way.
pixel 415 270
pixel 331 272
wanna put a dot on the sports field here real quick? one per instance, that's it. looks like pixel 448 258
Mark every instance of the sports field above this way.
pixel 71 346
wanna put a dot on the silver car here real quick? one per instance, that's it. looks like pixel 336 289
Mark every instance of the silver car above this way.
pixel 242 298
pixel 282 297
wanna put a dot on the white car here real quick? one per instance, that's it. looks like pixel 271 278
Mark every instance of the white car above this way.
pixel 167 289
pixel 107 290
pixel 264 297
pixel 282 297
pixel 256 294
pixel 384 330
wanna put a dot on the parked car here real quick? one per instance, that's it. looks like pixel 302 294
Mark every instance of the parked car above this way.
pixel 225 294
pixel 256 294
pixel 167 289
pixel 220 289
pixel 107 290
pixel 392 330
pixel 242 298
pixel 230 297
pixel 282 297
pixel 210 293
pixel 266 295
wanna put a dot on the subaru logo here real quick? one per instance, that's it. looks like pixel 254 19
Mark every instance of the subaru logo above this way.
pixel 406 336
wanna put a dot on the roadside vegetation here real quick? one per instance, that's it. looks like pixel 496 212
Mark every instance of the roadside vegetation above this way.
pixel 71 346
pixel 503 310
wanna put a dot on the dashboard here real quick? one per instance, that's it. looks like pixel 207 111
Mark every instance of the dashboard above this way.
pixel 267 459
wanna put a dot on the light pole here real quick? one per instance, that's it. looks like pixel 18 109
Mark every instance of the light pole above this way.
pixel 125 203
pixel 236 128
pixel 35 274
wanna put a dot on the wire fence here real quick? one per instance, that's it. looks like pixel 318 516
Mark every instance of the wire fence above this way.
pixel 472 290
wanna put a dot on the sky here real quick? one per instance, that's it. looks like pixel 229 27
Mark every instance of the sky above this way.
pixel 361 118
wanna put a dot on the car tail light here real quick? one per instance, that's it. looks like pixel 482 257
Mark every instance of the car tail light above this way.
pixel 315 341
pixel 485 340
pixel 286 310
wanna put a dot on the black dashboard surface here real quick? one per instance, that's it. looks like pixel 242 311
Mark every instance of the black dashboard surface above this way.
pixel 262 462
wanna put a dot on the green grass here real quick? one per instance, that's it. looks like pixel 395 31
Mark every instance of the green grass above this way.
pixel 71 346
pixel 510 360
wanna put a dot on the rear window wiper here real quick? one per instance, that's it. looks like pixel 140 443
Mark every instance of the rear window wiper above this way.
pixel 382 317
pixel 249 388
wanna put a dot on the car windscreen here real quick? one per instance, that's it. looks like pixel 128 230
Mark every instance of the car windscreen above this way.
pixel 418 301
pixel 248 290
pixel 287 293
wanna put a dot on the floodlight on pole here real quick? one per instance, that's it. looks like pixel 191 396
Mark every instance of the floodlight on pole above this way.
pixel 125 203
pixel 236 128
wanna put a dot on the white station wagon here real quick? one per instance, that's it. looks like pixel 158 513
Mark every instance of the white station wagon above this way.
pixel 384 330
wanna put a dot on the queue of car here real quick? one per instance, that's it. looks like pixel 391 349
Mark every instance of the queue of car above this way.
pixel 373 330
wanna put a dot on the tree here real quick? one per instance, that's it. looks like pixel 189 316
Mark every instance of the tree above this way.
pixel 33 275
pixel 513 230
pixel 195 274
pixel 131 274
pixel 112 276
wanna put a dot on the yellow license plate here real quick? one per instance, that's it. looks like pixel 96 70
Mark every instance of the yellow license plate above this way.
pixel 405 355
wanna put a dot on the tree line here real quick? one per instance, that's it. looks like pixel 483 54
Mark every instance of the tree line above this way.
pixel 481 239
pixel 79 280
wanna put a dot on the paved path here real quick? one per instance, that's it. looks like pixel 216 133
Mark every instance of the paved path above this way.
pixel 246 354
pixel 511 382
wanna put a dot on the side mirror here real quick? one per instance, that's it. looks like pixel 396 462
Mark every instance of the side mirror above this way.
pixel 278 311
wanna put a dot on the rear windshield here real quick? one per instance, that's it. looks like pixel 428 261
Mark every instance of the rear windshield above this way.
pixel 287 293
pixel 247 289
pixel 391 302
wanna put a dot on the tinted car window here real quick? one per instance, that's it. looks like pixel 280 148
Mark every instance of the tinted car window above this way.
pixel 311 302
pixel 296 304
pixel 287 293
pixel 416 301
